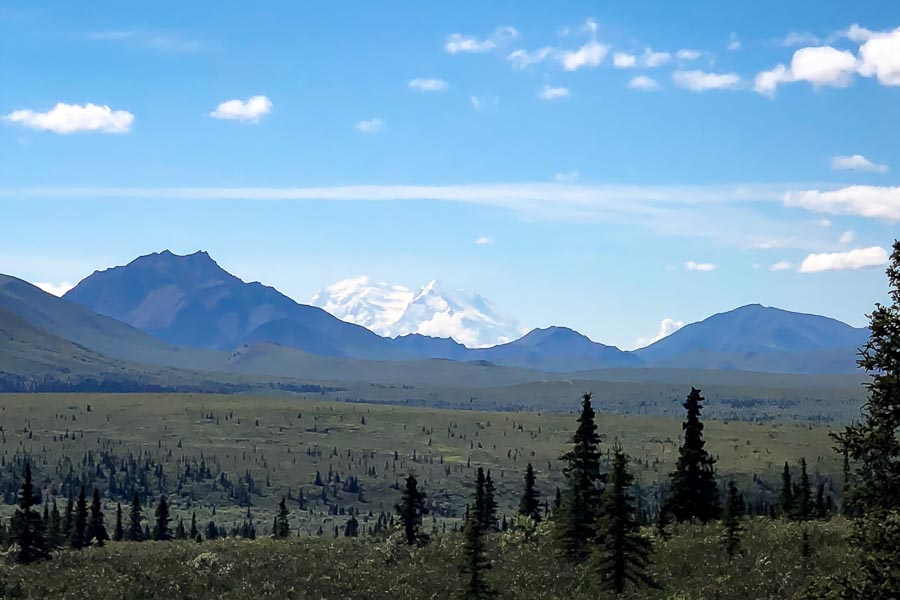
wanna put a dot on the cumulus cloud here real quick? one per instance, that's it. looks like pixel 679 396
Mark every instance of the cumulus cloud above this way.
pixel 624 60
pixel 649 59
pixel 853 260
pixel 781 265
pixel 373 125
pixel 819 65
pixel 847 237
pixel 250 110
pixel 856 162
pixel 57 289
pixel 687 54
pixel 428 85
pixel 643 83
pixel 484 241
pixel 871 201
pixel 699 266
pixel 553 93
pixel 879 57
pixel 667 327
pixel 589 55
pixel 522 58
pixel 700 81
pixel 74 118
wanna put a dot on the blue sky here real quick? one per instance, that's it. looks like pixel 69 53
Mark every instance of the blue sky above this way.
pixel 626 162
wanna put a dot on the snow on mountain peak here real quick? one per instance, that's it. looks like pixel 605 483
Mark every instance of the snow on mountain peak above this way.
pixel 434 310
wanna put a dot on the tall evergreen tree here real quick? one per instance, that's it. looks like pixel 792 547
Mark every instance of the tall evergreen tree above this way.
pixel 96 529
pixel 54 534
pixel 161 531
pixel 411 509
pixel 194 532
pixel 803 502
pixel 79 525
pixel 27 526
pixel 731 519
pixel 135 528
pixel 489 510
pixel 475 563
pixel 530 505
pixel 576 518
pixel 622 554
pixel 119 531
pixel 351 528
pixel 68 520
pixel 180 531
pixel 786 494
pixel 282 526
pixel 693 492
pixel 874 444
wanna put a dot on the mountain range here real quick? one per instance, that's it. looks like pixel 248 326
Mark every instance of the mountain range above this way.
pixel 167 311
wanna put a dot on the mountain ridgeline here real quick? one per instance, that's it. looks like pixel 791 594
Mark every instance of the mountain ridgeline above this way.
pixel 188 312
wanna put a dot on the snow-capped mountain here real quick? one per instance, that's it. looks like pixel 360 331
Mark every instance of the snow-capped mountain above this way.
pixel 433 310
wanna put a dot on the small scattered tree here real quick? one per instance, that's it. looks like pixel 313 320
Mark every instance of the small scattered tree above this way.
pixel 351 528
pixel 622 554
pixel 731 519
pixel 282 526
pixel 530 505
pixel 28 528
pixel 411 509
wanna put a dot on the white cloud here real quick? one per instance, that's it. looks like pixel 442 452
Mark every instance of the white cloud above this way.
pixel 819 65
pixel 250 110
pixel 567 177
pixel 428 85
pixel 57 289
pixel 667 327
pixel 457 43
pixel 845 261
pixel 484 241
pixel 697 266
pixel 781 265
pixel 553 93
pixel 589 55
pixel 871 201
pixel 856 162
pixel 855 33
pixel 522 58
pixel 624 60
pixel 643 83
pixel 879 56
pixel 373 125
pixel 800 38
pixel 734 43
pixel 700 81
pixel 73 118
pixel 687 54
pixel 823 223
pixel 847 237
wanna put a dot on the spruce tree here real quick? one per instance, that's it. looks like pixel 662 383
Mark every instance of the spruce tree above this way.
pixel 873 445
pixel 180 532
pixel 786 494
pixel 135 529
pixel 119 531
pixel 411 509
pixel 194 532
pixel 530 505
pixel 351 528
pixel 68 520
pixel 79 525
pixel 803 502
pixel 55 532
pixel 693 490
pixel 489 511
pixel 731 519
pixel 621 555
pixel 282 526
pixel 475 563
pixel 27 526
pixel 575 520
pixel 96 530
pixel 161 531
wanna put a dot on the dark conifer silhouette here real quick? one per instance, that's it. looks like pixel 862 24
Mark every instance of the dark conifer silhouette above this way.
pixel 55 531
pixel 622 555
pixel 786 493
pixel 411 509
pixel 351 528
pixel 119 531
pixel 27 525
pixel 576 518
pixel 135 528
pixel 731 519
pixel 693 492
pixel 79 525
pixel 803 502
pixel 282 526
pixel 161 531
pixel 530 505
pixel 96 530
pixel 475 563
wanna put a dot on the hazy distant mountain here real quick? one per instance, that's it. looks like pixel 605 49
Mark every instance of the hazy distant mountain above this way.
pixel 751 330
pixel 557 349
pixel 191 301
pixel 433 310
